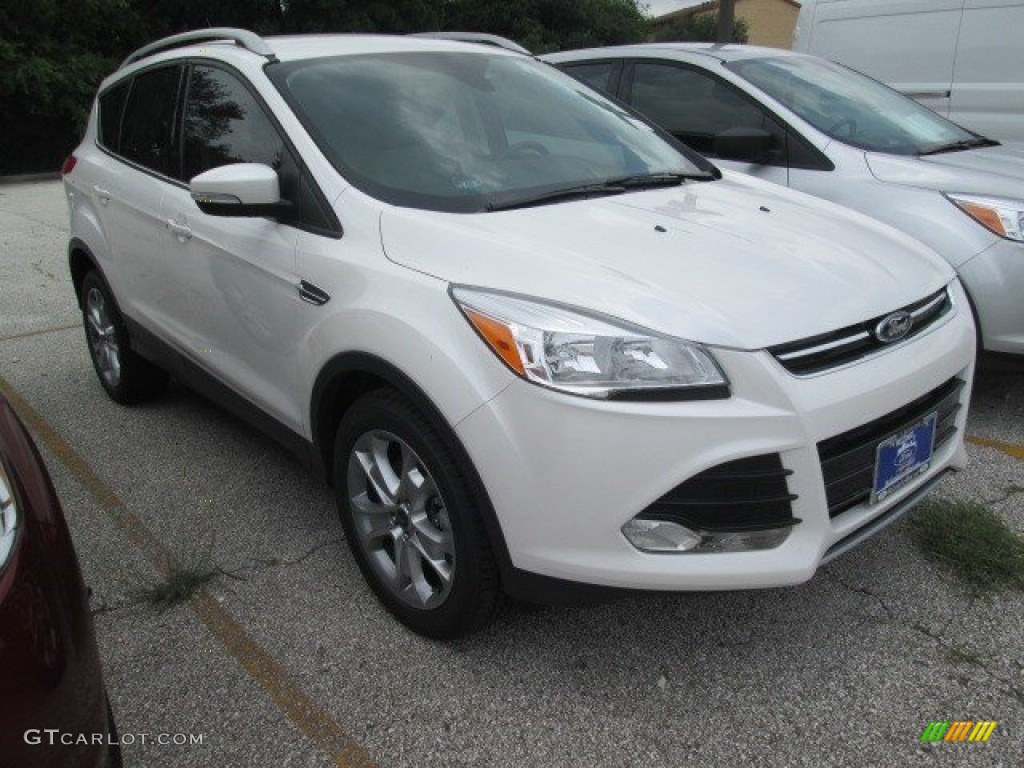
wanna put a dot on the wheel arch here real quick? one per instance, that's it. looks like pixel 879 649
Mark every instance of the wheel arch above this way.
pixel 979 335
pixel 81 261
pixel 348 376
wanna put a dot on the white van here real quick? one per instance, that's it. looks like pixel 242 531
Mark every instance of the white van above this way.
pixel 962 58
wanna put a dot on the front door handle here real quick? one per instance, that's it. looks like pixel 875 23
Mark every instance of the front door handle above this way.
pixel 182 231
pixel 102 194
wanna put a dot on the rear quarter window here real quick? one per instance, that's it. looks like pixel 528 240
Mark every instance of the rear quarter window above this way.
pixel 111 109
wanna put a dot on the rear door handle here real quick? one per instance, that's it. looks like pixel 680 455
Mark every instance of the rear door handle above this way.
pixel 181 231
pixel 102 194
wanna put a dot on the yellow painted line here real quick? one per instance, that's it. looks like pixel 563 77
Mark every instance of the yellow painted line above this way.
pixel 1017 451
pixel 40 332
pixel 308 716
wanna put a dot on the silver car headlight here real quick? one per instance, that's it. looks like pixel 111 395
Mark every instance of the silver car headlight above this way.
pixel 1001 215
pixel 584 353
pixel 8 518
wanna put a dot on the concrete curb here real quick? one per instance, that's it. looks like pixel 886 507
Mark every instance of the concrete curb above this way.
pixel 29 177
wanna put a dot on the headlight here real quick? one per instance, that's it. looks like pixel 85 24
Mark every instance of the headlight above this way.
pixel 584 353
pixel 1001 215
pixel 8 518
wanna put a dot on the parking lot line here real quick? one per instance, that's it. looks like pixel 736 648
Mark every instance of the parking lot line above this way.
pixel 308 716
pixel 1016 451
pixel 40 332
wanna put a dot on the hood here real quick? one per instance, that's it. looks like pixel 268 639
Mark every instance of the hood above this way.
pixel 995 171
pixel 737 262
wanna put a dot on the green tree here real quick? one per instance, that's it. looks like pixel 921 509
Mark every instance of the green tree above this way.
pixel 367 16
pixel 55 53
pixel 551 25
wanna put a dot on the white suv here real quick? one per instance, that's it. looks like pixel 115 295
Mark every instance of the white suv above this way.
pixel 536 345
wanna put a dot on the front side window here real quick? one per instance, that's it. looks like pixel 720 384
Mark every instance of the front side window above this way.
pixel 224 124
pixel 461 131
pixel 147 130
pixel 694 107
pixel 850 107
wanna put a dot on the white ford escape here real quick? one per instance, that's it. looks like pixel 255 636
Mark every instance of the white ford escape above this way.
pixel 535 345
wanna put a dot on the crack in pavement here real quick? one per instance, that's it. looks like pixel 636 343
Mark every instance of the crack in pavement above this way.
pixel 265 564
pixel 1009 492
pixel 40 332
pixel 1010 688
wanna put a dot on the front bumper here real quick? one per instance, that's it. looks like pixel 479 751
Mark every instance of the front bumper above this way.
pixel 995 280
pixel 565 473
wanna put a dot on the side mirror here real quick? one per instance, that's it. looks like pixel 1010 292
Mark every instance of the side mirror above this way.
pixel 241 189
pixel 749 144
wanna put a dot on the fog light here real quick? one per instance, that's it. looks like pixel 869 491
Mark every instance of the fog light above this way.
pixel 667 536
pixel 742 541
pixel 659 535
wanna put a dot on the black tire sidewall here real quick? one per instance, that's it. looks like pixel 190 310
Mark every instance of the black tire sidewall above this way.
pixel 140 379
pixel 475 584
pixel 93 280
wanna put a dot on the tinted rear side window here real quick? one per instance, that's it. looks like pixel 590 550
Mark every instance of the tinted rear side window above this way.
pixel 147 131
pixel 111 109
pixel 224 124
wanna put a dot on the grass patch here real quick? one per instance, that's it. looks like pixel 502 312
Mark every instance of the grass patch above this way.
pixel 957 655
pixel 973 541
pixel 182 582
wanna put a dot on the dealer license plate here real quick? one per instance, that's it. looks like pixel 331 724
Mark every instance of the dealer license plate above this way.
pixel 902 457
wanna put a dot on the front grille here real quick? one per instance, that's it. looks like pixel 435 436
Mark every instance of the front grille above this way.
pixel 848 460
pixel 743 495
pixel 830 350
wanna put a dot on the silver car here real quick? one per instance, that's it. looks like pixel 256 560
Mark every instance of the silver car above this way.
pixel 821 128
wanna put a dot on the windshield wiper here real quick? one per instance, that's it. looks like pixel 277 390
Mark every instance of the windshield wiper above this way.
pixel 959 146
pixel 660 179
pixel 610 187
pixel 579 192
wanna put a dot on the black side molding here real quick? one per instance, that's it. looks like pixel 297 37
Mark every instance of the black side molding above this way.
pixel 179 365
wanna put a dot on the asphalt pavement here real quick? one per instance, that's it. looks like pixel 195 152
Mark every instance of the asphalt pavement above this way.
pixel 285 658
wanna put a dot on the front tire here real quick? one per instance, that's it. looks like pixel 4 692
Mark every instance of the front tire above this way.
pixel 127 377
pixel 410 516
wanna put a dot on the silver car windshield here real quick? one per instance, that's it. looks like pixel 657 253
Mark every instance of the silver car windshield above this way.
pixel 852 108
pixel 473 131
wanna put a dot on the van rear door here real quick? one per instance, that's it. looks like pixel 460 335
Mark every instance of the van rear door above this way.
pixel 988 84
pixel 908 44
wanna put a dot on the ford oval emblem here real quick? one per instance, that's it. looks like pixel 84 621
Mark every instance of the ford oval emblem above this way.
pixel 894 327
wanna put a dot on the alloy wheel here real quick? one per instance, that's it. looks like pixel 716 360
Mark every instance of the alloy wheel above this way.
pixel 102 333
pixel 401 520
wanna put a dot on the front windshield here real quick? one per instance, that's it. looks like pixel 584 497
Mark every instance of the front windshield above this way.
pixel 468 131
pixel 850 107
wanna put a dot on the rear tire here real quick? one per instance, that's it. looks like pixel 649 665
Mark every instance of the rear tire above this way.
pixel 411 518
pixel 127 377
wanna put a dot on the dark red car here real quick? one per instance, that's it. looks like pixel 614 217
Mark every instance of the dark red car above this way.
pixel 53 705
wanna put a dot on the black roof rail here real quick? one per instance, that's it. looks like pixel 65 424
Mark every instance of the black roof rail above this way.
pixel 476 37
pixel 242 37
